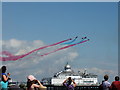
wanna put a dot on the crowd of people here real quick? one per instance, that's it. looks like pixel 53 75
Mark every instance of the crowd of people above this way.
pixel 69 83
pixel 107 86
pixel 32 82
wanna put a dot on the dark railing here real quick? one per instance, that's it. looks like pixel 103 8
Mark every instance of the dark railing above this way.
pixel 76 88
pixel 52 87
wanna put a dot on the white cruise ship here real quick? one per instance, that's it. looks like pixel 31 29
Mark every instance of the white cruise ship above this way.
pixel 81 78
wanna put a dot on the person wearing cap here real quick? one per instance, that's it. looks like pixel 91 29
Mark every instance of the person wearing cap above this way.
pixel 33 83
pixel 115 84
pixel 4 79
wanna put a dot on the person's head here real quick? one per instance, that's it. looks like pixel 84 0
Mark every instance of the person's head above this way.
pixel 117 78
pixel 69 80
pixel 31 78
pixel 106 77
pixel 3 69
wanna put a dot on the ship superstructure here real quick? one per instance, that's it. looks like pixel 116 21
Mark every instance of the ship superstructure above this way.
pixel 81 78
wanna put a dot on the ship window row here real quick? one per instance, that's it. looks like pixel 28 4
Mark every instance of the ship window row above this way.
pixel 88 81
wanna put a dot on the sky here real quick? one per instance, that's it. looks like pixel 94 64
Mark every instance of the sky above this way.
pixel 30 25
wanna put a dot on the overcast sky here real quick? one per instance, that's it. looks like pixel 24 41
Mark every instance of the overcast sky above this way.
pixel 30 25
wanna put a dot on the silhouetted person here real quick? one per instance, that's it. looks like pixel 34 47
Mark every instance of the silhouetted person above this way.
pixel 106 84
pixel 115 84
pixel 68 83
pixel 101 86
pixel 33 84
pixel 4 78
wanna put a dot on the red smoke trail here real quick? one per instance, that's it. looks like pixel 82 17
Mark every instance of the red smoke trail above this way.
pixel 14 58
pixel 64 47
